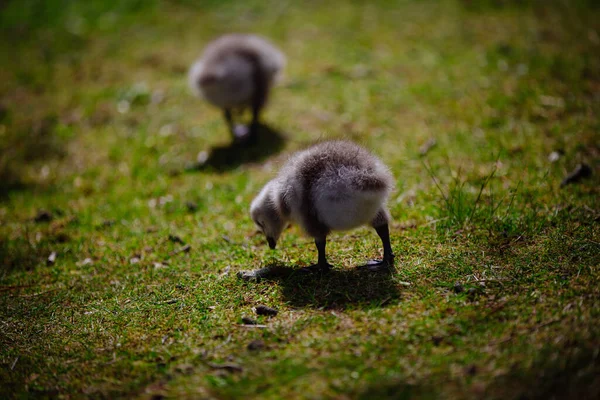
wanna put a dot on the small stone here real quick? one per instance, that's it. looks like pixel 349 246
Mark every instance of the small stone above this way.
pixel 43 216
pixel 191 206
pixel 248 321
pixel 264 310
pixel 256 345
pixel 554 156
pixel 176 239
pixel 51 258
pixel 62 237
pixel 458 288
pixel 471 370
pixel 202 157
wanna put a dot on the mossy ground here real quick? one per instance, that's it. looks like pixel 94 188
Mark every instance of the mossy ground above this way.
pixel 98 128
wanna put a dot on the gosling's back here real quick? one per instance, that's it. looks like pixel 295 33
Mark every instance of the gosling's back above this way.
pixel 230 66
pixel 339 183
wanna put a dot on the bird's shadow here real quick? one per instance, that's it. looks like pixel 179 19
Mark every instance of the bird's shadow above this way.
pixel 335 289
pixel 227 157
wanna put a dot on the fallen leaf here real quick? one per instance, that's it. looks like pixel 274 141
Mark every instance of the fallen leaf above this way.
pixel 229 367
pixel 430 144
pixel 580 172
pixel 256 345
pixel 264 310
pixel 184 249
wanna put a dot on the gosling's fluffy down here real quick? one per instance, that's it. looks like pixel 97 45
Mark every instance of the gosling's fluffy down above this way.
pixel 334 185
pixel 236 72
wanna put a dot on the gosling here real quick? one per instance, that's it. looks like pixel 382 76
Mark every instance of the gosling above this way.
pixel 334 185
pixel 234 73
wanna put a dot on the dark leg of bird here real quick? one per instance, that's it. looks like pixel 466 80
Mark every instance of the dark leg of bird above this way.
pixel 322 265
pixel 388 255
pixel 384 233
pixel 259 98
pixel 254 124
pixel 228 118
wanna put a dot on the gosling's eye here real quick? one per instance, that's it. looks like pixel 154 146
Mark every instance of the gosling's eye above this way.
pixel 260 225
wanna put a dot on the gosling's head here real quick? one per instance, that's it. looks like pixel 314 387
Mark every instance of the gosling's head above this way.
pixel 266 214
pixel 202 77
pixel 227 72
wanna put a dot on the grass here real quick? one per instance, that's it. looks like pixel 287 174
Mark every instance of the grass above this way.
pixel 497 284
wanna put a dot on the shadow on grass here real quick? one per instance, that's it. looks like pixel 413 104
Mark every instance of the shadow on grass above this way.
pixel 396 390
pixel 9 183
pixel 228 157
pixel 573 375
pixel 27 143
pixel 335 289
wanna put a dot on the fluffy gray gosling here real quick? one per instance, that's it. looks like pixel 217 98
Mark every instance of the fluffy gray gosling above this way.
pixel 234 73
pixel 334 185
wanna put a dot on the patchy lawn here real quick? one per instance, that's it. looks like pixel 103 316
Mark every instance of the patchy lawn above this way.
pixel 119 253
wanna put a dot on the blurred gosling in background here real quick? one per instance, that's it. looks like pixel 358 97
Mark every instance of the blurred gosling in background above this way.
pixel 234 73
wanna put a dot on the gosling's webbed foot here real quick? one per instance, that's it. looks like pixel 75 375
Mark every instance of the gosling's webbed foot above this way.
pixel 316 268
pixel 385 265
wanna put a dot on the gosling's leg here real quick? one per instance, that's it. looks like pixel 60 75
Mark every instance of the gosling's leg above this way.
pixel 259 98
pixel 240 132
pixel 254 124
pixel 322 265
pixel 380 223
pixel 228 119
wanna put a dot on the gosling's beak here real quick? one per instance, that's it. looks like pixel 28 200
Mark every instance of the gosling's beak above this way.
pixel 272 242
